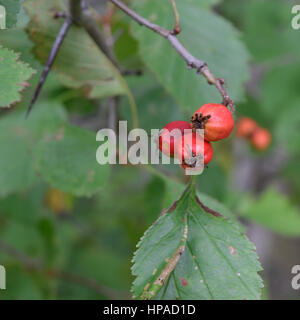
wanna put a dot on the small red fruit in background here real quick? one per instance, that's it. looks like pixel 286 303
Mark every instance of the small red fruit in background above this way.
pixel 215 119
pixel 167 137
pixel 246 127
pixel 190 148
pixel 261 139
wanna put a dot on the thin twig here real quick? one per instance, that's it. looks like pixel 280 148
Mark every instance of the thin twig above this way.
pixel 32 264
pixel 55 48
pixel 177 28
pixel 191 61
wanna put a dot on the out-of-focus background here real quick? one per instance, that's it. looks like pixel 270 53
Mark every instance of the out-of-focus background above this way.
pixel 69 227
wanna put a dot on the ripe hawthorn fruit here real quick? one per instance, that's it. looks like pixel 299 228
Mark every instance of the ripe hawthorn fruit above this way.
pixel 167 137
pixel 215 119
pixel 191 148
pixel 246 127
pixel 261 139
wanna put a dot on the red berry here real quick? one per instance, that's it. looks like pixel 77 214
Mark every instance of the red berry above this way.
pixel 215 119
pixel 192 147
pixel 167 137
pixel 261 139
pixel 246 127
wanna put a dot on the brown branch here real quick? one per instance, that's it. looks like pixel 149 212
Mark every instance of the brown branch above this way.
pixel 32 264
pixel 191 61
pixel 55 48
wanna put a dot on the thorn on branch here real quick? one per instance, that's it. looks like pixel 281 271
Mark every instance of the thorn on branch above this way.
pixel 58 15
pixel 177 29
pixel 199 68
pixel 55 48
pixel 220 83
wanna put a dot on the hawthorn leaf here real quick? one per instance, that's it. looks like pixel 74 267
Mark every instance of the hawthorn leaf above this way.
pixel 67 161
pixel 207 36
pixel 18 137
pixel 15 74
pixel 218 261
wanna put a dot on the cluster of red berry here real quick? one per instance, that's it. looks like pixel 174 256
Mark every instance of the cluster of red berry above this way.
pixel 188 146
pixel 248 129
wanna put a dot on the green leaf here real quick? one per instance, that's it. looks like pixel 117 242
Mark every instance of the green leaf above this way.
pixel 150 96
pixel 67 160
pixel 207 36
pixel 203 4
pixel 18 137
pixel 273 211
pixel 15 73
pixel 218 262
pixel 80 63
pixel 15 165
pixel 268 32
pixel 125 47
pixel 22 285
pixel 17 40
pixel 287 127
pixel 12 8
pixel 280 88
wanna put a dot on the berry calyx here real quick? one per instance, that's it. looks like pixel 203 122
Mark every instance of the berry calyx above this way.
pixel 261 139
pixel 215 119
pixel 246 127
pixel 169 134
pixel 193 150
